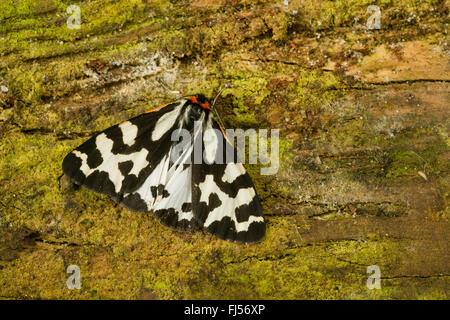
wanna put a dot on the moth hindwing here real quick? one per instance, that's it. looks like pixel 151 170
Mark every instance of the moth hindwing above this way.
pixel 137 164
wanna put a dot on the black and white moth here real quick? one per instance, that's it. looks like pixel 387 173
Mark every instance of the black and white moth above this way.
pixel 134 163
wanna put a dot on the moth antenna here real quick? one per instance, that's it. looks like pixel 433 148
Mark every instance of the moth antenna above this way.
pixel 217 95
pixel 214 108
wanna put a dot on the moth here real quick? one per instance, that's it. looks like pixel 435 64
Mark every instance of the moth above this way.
pixel 140 165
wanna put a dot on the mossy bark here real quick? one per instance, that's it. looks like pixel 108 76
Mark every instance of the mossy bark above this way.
pixel 364 152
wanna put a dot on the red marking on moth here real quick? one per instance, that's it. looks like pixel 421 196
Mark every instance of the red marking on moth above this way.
pixel 203 105
pixel 193 100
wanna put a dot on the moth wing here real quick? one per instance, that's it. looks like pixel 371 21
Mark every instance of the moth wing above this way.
pixel 119 159
pixel 167 191
pixel 225 201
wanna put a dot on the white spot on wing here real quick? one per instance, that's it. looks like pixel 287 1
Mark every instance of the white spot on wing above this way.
pixel 165 122
pixel 84 166
pixel 232 171
pixel 129 132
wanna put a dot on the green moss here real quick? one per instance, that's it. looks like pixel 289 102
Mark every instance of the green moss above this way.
pixel 405 159
pixel 243 83
pixel 329 14
pixel 303 93
pixel 279 24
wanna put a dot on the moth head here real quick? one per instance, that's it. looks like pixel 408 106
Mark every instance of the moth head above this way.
pixel 200 100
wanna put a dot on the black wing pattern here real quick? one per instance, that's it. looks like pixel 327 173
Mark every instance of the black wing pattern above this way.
pixel 226 202
pixel 134 163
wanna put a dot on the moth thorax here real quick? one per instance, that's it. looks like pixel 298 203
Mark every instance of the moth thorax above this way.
pixel 194 113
